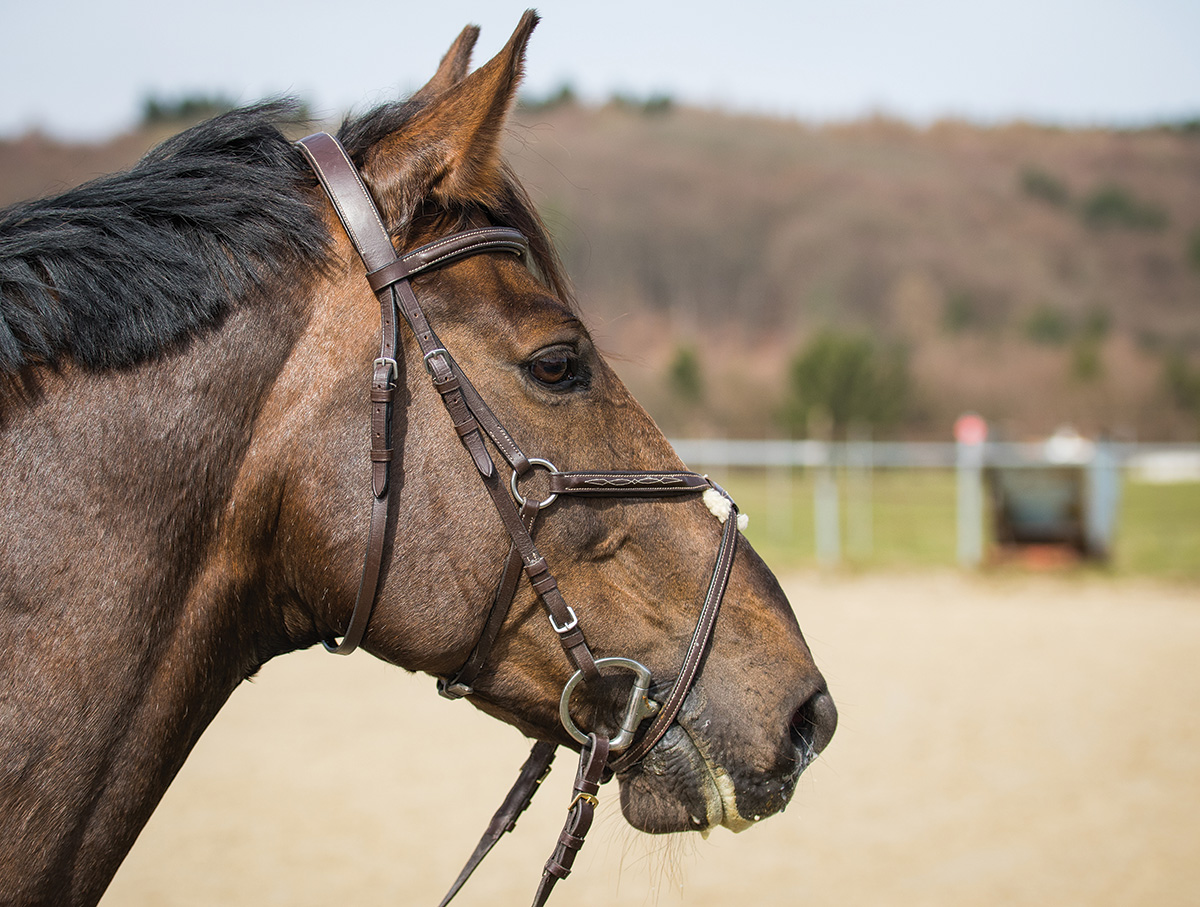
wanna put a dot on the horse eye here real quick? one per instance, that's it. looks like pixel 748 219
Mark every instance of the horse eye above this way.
pixel 557 369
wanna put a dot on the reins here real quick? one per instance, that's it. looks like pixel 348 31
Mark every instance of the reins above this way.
pixel 390 276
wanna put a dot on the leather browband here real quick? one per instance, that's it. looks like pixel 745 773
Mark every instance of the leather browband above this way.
pixel 444 251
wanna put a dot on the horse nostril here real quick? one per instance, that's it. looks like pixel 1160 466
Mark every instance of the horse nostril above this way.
pixel 814 722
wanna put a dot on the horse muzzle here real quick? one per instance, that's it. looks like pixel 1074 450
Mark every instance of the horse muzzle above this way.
pixel 699 776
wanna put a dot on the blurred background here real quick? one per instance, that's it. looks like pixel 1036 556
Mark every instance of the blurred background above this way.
pixel 796 222
pixel 919 283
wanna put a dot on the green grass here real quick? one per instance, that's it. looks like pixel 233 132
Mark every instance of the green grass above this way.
pixel 910 522
pixel 1159 530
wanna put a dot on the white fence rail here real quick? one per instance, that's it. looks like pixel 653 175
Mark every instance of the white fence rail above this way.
pixel 1166 461
pixel 1069 465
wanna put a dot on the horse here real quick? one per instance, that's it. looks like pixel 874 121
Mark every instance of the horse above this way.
pixel 189 376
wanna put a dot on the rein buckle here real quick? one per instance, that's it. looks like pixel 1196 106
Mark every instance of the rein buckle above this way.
pixel 591 799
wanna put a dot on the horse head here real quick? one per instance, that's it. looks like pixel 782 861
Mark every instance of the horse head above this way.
pixel 634 572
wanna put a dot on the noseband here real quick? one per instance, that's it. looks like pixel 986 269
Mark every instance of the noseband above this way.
pixel 390 276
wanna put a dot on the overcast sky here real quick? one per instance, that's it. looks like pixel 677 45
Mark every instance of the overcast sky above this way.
pixel 82 69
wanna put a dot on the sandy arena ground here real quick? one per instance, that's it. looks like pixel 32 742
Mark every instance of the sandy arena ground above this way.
pixel 1016 741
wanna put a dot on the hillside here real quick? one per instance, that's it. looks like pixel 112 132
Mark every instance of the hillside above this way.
pixel 967 247
pixel 1036 275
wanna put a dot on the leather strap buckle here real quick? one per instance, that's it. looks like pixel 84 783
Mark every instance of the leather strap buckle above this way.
pixel 568 626
pixel 453 689
pixel 440 351
pixel 390 364
pixel 590 799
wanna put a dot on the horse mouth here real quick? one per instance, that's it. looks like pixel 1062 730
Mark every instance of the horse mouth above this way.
pixel 684 785
pixel 720 794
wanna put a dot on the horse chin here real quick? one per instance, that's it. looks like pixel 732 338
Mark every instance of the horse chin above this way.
pixel 679 786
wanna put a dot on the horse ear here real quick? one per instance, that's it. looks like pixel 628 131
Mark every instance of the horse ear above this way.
pixel 453 67
pixel 450 150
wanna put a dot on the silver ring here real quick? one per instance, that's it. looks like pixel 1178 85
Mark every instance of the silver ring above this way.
pixel 545 464
pixel 640 704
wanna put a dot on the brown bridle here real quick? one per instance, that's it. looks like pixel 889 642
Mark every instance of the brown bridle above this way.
pixel 390 276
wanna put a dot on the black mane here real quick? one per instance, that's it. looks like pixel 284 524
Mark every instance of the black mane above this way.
pixel 118 270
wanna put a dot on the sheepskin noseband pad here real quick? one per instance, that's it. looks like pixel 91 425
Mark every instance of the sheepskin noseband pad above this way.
pixel 721 507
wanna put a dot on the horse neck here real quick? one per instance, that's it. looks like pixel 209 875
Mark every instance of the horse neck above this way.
pixel 124 621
